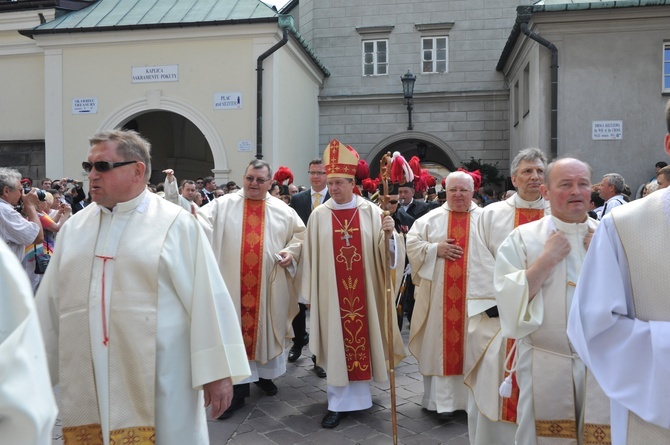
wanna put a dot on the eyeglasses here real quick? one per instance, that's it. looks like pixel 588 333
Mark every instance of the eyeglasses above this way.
pixel 251 179
pixel 103 166
pixel 199 182
pixel 317 173
pixel 393 201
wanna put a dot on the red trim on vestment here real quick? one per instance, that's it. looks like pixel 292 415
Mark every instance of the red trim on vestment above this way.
pixel 454 310
pixel 251 272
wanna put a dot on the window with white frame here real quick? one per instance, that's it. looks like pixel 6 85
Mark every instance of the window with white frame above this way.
pixel 666 67
pixel 375 57
pixel 434 54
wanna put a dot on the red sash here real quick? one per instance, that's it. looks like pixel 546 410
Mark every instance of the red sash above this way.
pixel 251 271
pixel 510 404
pixel 454 310
pixel 350 278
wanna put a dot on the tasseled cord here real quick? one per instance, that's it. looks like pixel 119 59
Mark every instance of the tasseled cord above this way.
pixel 505 389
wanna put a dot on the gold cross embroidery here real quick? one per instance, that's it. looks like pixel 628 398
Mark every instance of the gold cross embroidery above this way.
pixel 345 232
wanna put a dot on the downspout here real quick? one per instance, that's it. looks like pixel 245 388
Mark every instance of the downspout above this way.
pixel 554 83
pixel 259 87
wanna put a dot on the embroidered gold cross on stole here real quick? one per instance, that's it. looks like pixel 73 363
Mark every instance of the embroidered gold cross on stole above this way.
pixel 345 231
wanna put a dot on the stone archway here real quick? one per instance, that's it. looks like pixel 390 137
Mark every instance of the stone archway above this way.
pixel 437 152
pixel 182 137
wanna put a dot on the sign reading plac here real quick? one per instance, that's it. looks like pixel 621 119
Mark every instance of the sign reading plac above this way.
pixel 158 73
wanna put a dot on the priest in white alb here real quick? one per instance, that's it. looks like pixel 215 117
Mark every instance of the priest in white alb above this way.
pixel 492 418
pixel 343 268
pixel 537 268
pixel 27 406
pixel 136 318
pixel 620 318
pixel 257 240
pixel 438 248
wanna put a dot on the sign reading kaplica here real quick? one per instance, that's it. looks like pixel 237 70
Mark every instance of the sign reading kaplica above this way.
pixel 158 73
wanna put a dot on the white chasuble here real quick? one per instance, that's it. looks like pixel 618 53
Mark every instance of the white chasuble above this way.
pixel 141 301
pixel 552 378
pixel 319 288
pixel 27 406
pixel 281 230
pixel 492 419
pixel 428 320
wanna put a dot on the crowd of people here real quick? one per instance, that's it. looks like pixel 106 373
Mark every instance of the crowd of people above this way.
pixel 539 313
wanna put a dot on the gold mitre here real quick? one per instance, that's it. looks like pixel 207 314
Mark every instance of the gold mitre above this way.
pixel 340 160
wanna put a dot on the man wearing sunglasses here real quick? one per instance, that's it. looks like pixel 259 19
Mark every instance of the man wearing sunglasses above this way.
pixel 257 242
pixel 136 316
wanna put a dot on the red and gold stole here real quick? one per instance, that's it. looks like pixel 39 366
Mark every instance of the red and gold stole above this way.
pixel 350 278
pixel 510 404
pixel 454 304
pixel 251 261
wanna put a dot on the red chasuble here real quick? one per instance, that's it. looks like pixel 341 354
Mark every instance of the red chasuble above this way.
pixel 350 278
pixel 510 404
pixel 251 271
pixel 454 308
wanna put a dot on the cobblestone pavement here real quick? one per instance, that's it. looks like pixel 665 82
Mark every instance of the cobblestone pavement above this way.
pixel 293 416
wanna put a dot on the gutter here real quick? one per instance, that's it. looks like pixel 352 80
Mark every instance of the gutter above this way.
pixel 259 85
pixel 554 84
pixel 524 15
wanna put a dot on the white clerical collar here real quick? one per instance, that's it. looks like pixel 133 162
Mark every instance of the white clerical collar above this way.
pixel 522 203
pixel 567 227
pixel 348 205
pixel 139 202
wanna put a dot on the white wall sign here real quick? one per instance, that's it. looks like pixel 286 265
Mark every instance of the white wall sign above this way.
pixel 607 130
pixel 227 101
pixel 244 146
pixel 159 73
pixel 85 105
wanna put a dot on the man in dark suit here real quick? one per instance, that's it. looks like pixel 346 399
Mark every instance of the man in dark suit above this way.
pixel 415 209
pixel 303 203
pixel 208 187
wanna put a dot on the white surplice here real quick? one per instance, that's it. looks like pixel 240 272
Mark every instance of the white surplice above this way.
pixel 521 317
pixel 198 336
pixel 629 356
pixel 441 393
pixel 27 406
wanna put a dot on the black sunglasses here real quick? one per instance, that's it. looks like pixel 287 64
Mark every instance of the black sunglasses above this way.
pixel 103 166
pixel 393 201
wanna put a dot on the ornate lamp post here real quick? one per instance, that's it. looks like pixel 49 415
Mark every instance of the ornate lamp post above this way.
pixel 408 92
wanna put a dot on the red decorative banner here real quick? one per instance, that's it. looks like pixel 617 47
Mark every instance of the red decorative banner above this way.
pixel 251 271
pixel 511 403
pixel 454 310
pixel 350 278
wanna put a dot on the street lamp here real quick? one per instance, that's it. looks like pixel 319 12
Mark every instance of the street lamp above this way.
pixel 408 92
pixel 422 150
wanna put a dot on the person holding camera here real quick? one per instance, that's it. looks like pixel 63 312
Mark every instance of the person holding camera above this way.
pixel 16 230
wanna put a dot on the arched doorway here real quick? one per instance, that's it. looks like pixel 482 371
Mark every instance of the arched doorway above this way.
pixel 435 155
pixel 176 143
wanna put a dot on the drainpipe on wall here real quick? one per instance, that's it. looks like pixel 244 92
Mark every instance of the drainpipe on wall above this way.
pixel 259 84
pixel 554 83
